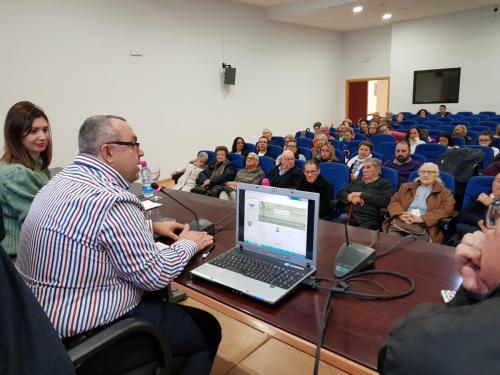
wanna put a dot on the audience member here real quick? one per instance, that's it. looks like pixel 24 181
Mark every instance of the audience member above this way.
pixel 363 126
pixel 375 118
pixel 340 131
pixel 460 337
pixel 442 111
pixel 289 138
pixel 403 163
pixel 212 179
pixel 268 134
pixel 23 166
pixel 372 129
pixel 497 134
pixel 239 147
pixel 423 112
pixel 493 169
pixel 313 181
pixel 326 132
pixel 187 180
pixel 461 131
pixel 355 164
pixel 251 174
pixel 418 206
pixel 85 219
pixel 316 128
pixel 285 175
pixel 327 154
pixel 262 147
pixel 399 119
pixel 413 138
pixel 388 116
pixel 446 139
pixel 292 146
pixel 318 142
pixel 487 139
pixel 365 196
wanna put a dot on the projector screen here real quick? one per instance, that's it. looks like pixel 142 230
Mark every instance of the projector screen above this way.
pixel 436 86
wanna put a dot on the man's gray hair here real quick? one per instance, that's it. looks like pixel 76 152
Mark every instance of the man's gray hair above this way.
pixel 253 154
pixel 96 131
pixel 377 163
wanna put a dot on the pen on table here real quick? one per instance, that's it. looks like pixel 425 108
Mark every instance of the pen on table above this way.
pixel 208 250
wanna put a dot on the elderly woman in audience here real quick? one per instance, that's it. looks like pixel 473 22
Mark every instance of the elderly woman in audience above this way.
pixel 413 138
pixel 467 220
pixel 316 128
pixel 363 126
pixel 327 154
pixel 487 139
pixel 239 147
pixel 326 132
pixel 188 177
pixel 251 174
pixel 313 181
pixel 289 138
pixel 318 142
pixel 461 131
pixel 418 206
pixel 211 180
pixel 355 164
pixel 23 166
pixel 372 129
pixel 446 139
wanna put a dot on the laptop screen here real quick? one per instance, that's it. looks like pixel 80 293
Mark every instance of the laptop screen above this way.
pixel 281 221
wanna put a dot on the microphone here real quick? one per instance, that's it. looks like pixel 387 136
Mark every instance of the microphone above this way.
pixel 352 257
pixel 200 225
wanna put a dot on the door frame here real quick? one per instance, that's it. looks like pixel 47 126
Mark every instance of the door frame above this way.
pixel 388 79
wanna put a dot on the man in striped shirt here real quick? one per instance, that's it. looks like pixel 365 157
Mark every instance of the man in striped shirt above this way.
pixel 88 254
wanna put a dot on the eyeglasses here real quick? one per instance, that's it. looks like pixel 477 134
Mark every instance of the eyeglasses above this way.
pixel 492 214
pixel 427 172
pixel 120 143
pixel 310 172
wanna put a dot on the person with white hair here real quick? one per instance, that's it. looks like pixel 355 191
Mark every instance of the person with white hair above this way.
pixel 418 206
pixel 187 180
pixel 251 174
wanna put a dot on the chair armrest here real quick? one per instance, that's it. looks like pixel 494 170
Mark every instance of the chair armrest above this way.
pixel 114 333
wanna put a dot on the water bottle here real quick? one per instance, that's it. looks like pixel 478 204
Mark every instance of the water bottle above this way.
pixel 265 182
pixel 146 180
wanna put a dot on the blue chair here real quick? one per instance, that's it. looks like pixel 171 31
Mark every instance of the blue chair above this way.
pixel 459 141
pixel 479 128
pixel 434 132
pixel 447 178
pixel 381 138
pixel 475 186
pixel 387 150
pixel 353 146
pixel 300 163
pixel 495 119
pixel 431 151
pixel 337 174
pixel 433 124
pixel 497 141
pixel 335 143
pixel 455 117
pixel 238 160
pixel 360 137
pixel 409 123
pixel 211 155
pixel 423 126
pixel 405 114
pixel 420 158
pixel 474 135
pixel 465 114
pixel 305 151
pixel 488 113
pixel 444 120
pixel 275 150
pixel 340 155
pixel 397 127
pixel 304 142
pixel 446 128
pixel 488 153
pixel 420 120
pixel 483 117
pixel 392 176
pixel 492 125
pixel 250 147
pixel 278 140
pixel 267 164
pixel 472 120
pixel 377 155
pixel 308 135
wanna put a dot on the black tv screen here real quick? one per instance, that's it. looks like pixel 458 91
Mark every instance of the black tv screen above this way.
pixel 436 86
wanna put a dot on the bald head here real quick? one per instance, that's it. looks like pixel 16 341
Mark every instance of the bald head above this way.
pixel 287 160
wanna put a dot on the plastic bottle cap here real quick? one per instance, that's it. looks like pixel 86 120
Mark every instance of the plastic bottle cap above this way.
pixel 144 163
pixel 265 182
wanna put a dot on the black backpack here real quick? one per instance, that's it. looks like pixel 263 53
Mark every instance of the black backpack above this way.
pixel 463 163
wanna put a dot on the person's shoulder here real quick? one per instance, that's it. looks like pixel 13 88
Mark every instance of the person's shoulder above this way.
pixel 15 172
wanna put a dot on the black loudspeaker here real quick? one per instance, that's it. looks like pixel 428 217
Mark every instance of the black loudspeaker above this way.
pixel 229 75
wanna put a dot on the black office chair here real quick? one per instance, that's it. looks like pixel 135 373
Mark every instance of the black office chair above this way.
pixel 29 343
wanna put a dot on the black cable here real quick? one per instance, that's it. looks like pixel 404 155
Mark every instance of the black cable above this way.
pixel 396 245
pixel 224 218
pixel 322 329
pixel 225 226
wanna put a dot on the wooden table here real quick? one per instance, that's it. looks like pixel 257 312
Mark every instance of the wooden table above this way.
pixel 356 328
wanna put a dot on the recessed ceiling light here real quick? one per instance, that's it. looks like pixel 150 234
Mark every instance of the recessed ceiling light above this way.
pixel 357 9
pixel 387 16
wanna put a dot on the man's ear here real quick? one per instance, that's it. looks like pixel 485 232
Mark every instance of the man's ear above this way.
pixel 107 154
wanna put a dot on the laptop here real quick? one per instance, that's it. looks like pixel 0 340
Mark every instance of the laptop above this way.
pixel 276 243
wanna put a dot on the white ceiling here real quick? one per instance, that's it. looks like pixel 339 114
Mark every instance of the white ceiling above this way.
pixel 338 15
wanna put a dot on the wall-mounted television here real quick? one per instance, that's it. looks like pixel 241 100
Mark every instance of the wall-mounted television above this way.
pixel 436 86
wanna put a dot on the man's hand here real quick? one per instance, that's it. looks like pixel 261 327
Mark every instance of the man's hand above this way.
pixel 231 184
pixel 202 239
pixel 206 182
pixel 168 229
pixel 468 260
pixel 484 199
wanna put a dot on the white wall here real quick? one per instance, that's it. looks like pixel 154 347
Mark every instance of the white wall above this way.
pixel 72 58
pixel 469 40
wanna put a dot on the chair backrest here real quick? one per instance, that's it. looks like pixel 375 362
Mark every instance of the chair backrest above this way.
pixel 488 113
pixel 275 150
pixel 447 178
pixel 301 134
pixel 211 155
pixel 465 113
pixel 304 142
pixel 300 163
pixel 278 140
pixel 475 186
pixel 408 122
pixel 380 138
pixel 250 147
pixel 387 150
pixel 305 151
pixel 340 155
pixel 488 153
pixel 472 120
pixel 483 117
pixel 238 160
pixel 455 123
pixel 495 119
pixel 492 125
pixel 337 174
pixel 353 146
pixel 434 132
pixel 335 143
pixel 392 176
pixel 444 120
pixel 446 128
pixel 479 128
pixel 497 141
pixel 431 151
pixel 420 158
pixel 267 164
pixel 433 123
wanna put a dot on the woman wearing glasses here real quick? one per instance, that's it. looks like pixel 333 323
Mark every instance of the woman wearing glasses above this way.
pixel 418 206
pixel 23 166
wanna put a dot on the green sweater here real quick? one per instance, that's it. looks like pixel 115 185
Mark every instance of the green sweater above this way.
pixel 18 187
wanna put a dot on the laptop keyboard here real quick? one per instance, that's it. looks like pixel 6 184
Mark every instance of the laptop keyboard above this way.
pixel 250 266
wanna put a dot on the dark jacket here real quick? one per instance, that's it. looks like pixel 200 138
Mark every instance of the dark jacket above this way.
pixel 471 214
pixel 324 189
pixel 228 175
pixel 268 153
pixel 404 170
pixel 435 339
pixel 376 195
pixel 493 169
pixel 288 180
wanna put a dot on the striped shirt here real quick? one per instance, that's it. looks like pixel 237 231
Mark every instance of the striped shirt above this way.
pixel 87 252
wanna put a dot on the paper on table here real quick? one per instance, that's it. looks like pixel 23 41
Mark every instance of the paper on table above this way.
pixel 147 204
pixel 160 245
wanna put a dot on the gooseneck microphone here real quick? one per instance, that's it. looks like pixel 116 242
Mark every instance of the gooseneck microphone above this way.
pixel 200 225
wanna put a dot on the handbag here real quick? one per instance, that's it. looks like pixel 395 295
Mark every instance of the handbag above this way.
pixel 399 225
pixel 199 189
